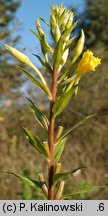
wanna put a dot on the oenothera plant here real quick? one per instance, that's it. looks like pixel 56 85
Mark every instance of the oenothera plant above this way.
pixel 64 85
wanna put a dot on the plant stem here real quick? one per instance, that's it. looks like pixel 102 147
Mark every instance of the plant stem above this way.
pixel 51 136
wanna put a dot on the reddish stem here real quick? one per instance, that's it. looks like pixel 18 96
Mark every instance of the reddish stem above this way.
pixel 51 136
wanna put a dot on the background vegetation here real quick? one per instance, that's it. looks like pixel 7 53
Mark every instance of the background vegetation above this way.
pixel 88 144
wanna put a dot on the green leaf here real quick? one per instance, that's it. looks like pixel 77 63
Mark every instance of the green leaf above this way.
pixel 61 89
pixel 68 43
pixel 42 119
pixel 44 21
pixel 76 125
pixel 44 64
pixel 65 75
pixel 36 35
pixel 67 81
pixel 61 176
pixel 59 147
pixel 32 183
pixel 35 81
pixel 63 101
pixel 85 190
pixel 36 143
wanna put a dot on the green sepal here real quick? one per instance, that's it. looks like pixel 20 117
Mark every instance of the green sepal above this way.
pixel 75 126
pixel 61 176
pixel 63 101
pixel 33 183
pixel 35 81
pixel 36 143
pixel 41 118
pixel 59 147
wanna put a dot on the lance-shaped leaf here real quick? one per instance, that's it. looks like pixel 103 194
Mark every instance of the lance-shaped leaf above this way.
pixel 68 43
pixel 44 21
pixel 75 126
pixel 44 64
pixel 63 101
pixel 36 82
pixel 82 191
pixel 36 143
pixel 42 119
pixel 61 89
pixel 33 183
pixel 60 176
pixel 59 147
pixel 36 35
pixel 65 75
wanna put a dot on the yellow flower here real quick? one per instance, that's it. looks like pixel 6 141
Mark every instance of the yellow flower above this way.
pixel 87 63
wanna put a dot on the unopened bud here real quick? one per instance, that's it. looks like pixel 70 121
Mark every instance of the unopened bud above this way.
pixel 79 47
pixel 65 21
pixel 60 190
pixel 57 169
pixel 43 184
pixel 70 20
pixel 45 123
pixel 57 34
pixel 45 143
pixel 18 55
pixel 60 21
pixel 59 132
pixel 39 28
pixel 55 31
pixel 52 22
pixel 25 60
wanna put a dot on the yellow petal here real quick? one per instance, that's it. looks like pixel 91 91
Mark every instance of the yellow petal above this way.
pixel 87 63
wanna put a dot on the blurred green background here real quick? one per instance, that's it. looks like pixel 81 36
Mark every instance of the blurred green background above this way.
pixel 88 145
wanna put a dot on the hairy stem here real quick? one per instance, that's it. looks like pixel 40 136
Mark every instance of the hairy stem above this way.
pixel 51 136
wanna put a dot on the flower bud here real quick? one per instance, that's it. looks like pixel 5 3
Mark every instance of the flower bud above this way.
pixel 64 58
pixel 65 21
pixel 39 28
pixel 60 21
pixel 52 22
pixel 60 190
pixel 70 20
pixel 18 55
pixel 43 184
pixel 79 47
pixel 57 168
pixel 80 44
pixel 57 34
pixel 25 60
pixel 59 132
